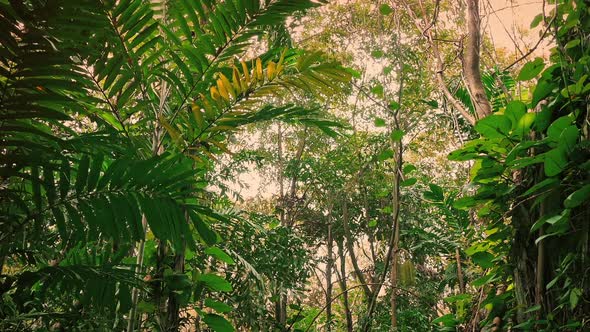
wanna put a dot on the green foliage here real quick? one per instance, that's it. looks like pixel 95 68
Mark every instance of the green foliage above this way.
pixel 112 113
pixel 532 186
pixel 270 257
pixel 116 115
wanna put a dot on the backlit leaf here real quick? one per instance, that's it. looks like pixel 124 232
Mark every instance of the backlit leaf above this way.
pixel 531 69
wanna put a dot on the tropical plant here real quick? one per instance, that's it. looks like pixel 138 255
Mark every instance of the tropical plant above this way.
pixel 532 187
pixel 127 126
pixel 111 115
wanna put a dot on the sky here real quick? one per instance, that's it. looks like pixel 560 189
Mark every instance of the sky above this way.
pixel 505 18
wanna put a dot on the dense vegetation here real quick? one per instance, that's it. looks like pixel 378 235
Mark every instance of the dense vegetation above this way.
pixel 411 175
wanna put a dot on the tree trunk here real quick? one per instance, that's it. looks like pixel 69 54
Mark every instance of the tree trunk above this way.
pixel 159 296
pixel 138 269
pixel 292 198
pixel 350 246
pixel 395 203
pixel 471 60
pixel 281 304
pixel 287 211
pixel 280 179
pixel 393 278
pixel 157 149
pixel 329 265
pixel 523 259
pixel 344 287
pixel 278 307
pixel 283 312
pixel 173 303
pixel 393 238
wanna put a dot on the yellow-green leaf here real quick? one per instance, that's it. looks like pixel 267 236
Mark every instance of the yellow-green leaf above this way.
pixel 270 70
pixel 246 72
pixel 237 82
pixel 215 93
pixel 227 85
pixel 222 90
pixel 259 69
pixel 281 60
pixel 198 115
pixel 173 132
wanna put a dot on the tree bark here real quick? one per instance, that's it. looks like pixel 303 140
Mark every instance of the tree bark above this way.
pixel 281 304
pixel 540 276
pixel 280 178
pixel 157 149
pixel 350 246
pixel 292 198
pixel 522 258
pixel 393 278
pixel 471 62
pixel 135 292
pixel 344 287
pixel 393 242
pixel 329 265
pixel 173 310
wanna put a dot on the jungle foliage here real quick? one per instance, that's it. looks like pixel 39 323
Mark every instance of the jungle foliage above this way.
pixel 126 124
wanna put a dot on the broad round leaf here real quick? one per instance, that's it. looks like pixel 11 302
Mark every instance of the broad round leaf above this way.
pixel 578 197
pixel 531 69
pixel 218 323
pixel 555 161
pixel 494 126
pixel 215 282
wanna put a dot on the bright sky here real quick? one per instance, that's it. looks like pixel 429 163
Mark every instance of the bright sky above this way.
pixel 508 21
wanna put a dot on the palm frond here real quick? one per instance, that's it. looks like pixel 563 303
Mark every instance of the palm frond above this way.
pixel 496 84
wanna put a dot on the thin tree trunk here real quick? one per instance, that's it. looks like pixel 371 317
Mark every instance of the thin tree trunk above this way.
pixel 156 150
pixel 288 213
pixel 393 278
pixel 371 240
pixel 283 317
pixel 344 287
pixel 281 305
pixel 135 292
pixel 198 319
pixel 392 239
pixel 329 265
pixel 293 187
pixel 540 282
pixel 350 246
pixel 522 257
pixel 159 296
pixel 280 178
pixel 427 30
pixel 547 206
pixel 396 205
pixel 393 244
pixel 173 310
pixel 540 277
